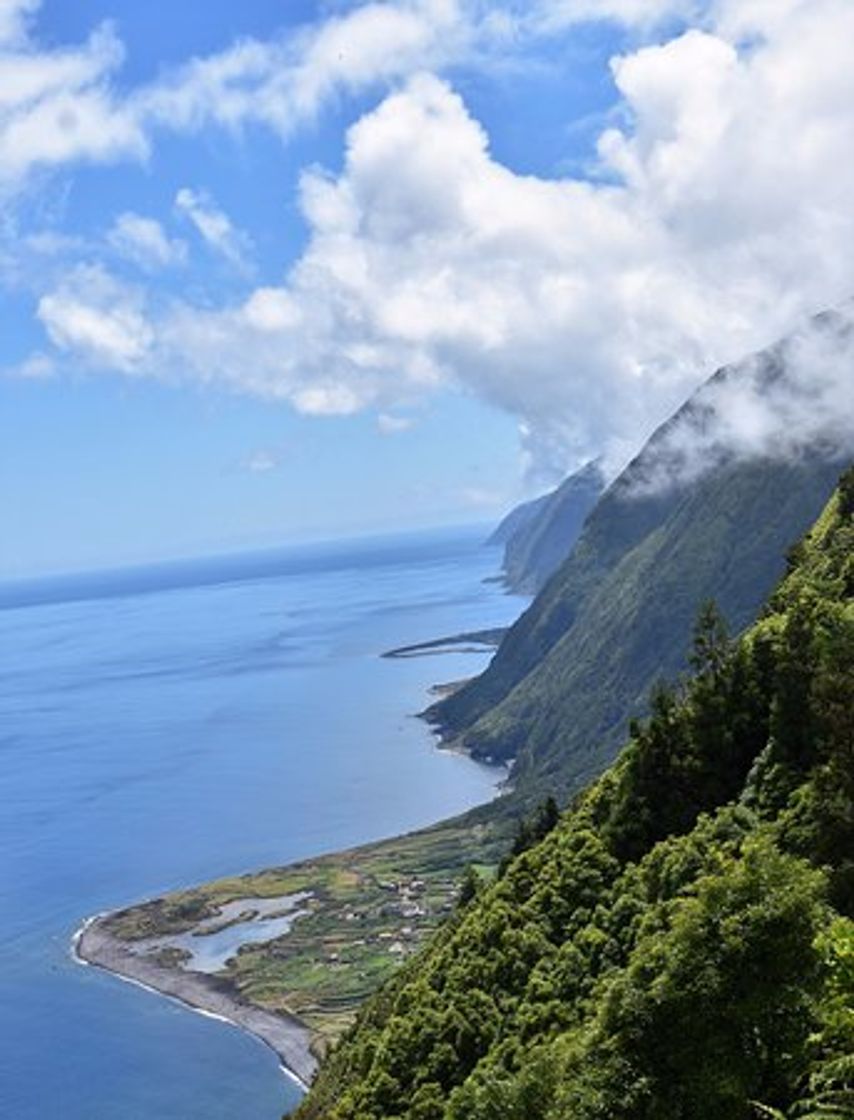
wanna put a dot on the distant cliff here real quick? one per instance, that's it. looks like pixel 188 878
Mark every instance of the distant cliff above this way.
pixel 518 519
pixel 539 535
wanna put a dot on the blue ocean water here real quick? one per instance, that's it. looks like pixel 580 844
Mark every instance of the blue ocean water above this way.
pixel 167 725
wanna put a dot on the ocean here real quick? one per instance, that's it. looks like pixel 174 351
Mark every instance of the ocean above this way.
pixel 165 725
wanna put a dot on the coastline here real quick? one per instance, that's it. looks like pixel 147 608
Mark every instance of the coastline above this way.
pixel 289 1037
pixel 376 905
pixel 286 1036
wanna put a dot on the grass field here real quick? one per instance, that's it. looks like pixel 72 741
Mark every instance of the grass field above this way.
pixel 370 909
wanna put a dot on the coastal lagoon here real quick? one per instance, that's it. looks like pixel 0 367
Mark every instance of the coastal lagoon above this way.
pixel 167 725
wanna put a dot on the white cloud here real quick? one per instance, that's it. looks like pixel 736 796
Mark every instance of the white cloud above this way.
pixel 587 309
pixel 785 402
pixel 551 15
pixel 214 225
pixel 98 319
pixel 62 105
pixel 14 17
pixel 389 425
pixel 284 81
pixel 56 105
pixel 52 243
pixel 36 367
pixel 144 241
pixel 271 310
pixel 329 399
pixel 590 310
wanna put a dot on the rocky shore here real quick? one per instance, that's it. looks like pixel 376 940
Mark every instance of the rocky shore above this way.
pixel 285 1034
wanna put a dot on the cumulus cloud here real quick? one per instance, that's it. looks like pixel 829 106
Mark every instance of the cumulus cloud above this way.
pixel 284 81
pixel 14 17
pixel 56 105
pixel 144 241
pixel 94 317
pixel 214 226
pixel 62 105
pixel 271 310
pixel 719 215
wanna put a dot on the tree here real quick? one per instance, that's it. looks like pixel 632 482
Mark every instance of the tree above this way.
pixel 531 830
pixel 792 724
pixel 715 1009
pixel 846 493
pixel 469 887
pixel 711 644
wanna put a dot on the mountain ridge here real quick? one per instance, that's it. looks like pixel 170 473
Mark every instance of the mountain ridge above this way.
pixel 578 663
pixel 679 945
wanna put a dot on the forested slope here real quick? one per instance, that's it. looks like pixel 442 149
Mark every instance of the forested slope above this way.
pixel 618 613
pixel 681 945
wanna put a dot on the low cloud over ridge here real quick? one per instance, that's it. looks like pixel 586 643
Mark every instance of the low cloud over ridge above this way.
pixel 791 400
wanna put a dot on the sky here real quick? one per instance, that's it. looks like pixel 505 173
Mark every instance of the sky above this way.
pixel 294 270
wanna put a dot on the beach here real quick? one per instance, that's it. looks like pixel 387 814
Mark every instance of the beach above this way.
pixel 286 1035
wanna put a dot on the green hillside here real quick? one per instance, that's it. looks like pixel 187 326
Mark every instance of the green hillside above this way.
pixel 539 536
pixel 680 946
pixel 617 615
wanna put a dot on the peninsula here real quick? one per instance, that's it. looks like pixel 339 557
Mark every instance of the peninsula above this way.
pixel 289 954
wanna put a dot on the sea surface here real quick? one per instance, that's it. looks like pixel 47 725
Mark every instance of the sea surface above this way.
pixel 165 725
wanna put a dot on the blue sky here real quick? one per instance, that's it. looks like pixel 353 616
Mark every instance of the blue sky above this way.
pixel 298 269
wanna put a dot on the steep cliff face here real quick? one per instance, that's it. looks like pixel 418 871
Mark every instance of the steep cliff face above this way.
pixel 541 534
pixel 518 519
pixel 688 520
pixel 727 539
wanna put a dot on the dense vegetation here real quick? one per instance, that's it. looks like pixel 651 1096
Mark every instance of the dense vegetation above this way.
pixel 680 945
